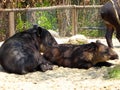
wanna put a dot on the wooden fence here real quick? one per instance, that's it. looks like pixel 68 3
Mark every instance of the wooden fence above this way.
pixel 73 8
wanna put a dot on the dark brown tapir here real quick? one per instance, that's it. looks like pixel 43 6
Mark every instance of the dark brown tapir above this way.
pixel 110 13
pixel 79 56
pixel 20 53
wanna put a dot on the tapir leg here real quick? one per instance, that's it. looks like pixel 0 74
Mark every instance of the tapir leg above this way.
pixel 118 33
pixel 44 65
pixel 108 35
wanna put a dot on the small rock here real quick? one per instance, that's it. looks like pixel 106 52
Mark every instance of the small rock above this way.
pixel 77 39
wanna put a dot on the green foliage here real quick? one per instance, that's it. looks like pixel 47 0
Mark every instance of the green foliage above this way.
pixel 44 3
pixel 47 20
pixel 92 33
pixel 21 23
pixel 114 72
pixel 44 19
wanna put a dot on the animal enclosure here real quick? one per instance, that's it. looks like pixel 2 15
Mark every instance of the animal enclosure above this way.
pixel 67 20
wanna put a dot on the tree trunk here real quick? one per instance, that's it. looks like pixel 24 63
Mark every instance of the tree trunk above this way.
pixel 63 17
pixel 11 24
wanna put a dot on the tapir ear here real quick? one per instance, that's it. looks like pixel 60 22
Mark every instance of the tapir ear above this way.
pixel 98 41
pixel 95 45
pixel 39 31
pixel 98 45
pixel 35 26
pixel 34 29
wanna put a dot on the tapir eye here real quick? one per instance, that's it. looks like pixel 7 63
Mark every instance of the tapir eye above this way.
pixel 106 51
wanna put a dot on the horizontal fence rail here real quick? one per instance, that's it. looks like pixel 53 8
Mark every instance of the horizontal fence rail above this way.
pixel 93 28
pixel 51 8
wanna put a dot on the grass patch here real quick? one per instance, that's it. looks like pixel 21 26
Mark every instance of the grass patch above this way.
pixel 92 33
pixel 114 72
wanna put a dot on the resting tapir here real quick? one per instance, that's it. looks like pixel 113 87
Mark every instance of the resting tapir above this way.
pixel 79 56
pixel 20 53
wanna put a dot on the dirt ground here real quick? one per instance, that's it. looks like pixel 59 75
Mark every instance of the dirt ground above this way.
pixel 63 78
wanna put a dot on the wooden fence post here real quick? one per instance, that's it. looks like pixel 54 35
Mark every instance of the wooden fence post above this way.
pixel 11 24
pixel 74 20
